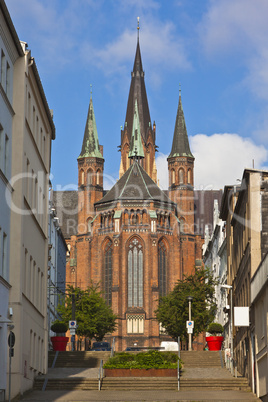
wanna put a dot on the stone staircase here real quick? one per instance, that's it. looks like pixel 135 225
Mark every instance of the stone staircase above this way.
pixel 201 370
pixel 202 358
pixel 81 359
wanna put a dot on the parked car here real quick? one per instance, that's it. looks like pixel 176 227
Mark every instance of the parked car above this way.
pixel 103 346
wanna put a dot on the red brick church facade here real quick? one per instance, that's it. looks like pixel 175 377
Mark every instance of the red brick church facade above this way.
pixel 135 240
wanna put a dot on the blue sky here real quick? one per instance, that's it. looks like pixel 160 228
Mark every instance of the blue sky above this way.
pixel 216 49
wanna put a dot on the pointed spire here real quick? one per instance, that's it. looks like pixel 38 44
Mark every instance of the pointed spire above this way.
pixel 90 147
pixel 180 145
pixel 138 92
pixel 136 147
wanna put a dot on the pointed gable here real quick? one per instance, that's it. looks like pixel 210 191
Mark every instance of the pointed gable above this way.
pixel 138 92
pixel 180 145
pixel 90 147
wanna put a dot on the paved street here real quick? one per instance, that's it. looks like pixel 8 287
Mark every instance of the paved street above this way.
pixel 131 396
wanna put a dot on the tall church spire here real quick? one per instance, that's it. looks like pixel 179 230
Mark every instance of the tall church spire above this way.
pixel 136 147
pixel 90 147
pixel 137 93
pixel 180 145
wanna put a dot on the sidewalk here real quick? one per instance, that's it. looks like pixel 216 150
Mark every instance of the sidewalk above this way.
pixel 133 396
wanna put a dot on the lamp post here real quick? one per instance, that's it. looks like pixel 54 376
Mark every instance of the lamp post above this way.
pixel 189 298
pixel 231 325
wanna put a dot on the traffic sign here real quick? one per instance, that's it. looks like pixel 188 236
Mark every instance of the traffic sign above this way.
pixel 72 324
pixel 72 331
pixel 189 324
pixel 11 339
pixel 190 330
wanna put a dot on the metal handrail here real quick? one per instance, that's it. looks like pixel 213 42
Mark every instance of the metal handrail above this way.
pixel 100 374
pixel 113 346
pixel 178 374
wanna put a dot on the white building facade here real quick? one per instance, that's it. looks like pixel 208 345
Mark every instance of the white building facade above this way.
pixel 57 269
pixel 215 257
pixel 33 131
pixel 10 51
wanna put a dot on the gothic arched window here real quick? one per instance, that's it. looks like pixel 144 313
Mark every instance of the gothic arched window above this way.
pixel 181 174
pixel 89 177
pixel 98 178
pixel 82 177
pixel 189 176
pixel 173 176
pixel 108 269
pixel 135 274
pixel 162 268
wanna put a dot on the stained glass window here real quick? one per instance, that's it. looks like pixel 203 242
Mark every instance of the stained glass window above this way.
pixel 162 268
pixel 135 274
pixel 108 273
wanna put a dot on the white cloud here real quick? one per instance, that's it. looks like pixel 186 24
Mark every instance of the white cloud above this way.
pixel 238 28
pixel 157 39
pixel 219 160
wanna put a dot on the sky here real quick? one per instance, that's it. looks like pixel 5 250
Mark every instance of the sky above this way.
pixel 217 50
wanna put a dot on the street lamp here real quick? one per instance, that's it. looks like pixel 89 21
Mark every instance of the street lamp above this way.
pixel 231 326
pixel 190 298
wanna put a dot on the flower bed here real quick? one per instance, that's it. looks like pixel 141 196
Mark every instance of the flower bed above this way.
pixel 143 364
pixel 120 372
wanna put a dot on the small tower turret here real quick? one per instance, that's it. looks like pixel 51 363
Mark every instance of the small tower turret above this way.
pixel 181 172
pixel 90 172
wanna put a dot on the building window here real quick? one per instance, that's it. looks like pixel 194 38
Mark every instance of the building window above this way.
pixel 108 269
pixel 162 268
pixel 135 274
pixel 98 178
pixel 135 324
pixel 8 80
pixel 3 62
pixel 189 176
pixel 172 176
pixel 181 181
pixel 82 177
pixel 89 177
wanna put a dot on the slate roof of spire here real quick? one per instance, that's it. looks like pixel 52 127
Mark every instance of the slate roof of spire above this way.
pixel 137 185
pixel 90 146
pixel 180 145
pixel 138 92
pixel 136 147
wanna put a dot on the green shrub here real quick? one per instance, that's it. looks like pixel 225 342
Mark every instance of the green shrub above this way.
pixel 59 327
pixel 215 328
pixel 143 360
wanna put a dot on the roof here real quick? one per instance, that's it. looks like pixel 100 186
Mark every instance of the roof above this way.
pixel 11 27
pixel 138 92
pixel 90 146
pixel 180 145
pixel 204 209
pixel 136 185
pixel 44 99
pixel 66 204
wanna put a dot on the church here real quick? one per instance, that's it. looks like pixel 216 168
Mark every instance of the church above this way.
pixel 134 240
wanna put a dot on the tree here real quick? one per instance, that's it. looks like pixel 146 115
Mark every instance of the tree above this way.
pixel 93 316
pixel 173 309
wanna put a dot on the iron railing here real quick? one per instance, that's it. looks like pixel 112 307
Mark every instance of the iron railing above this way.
pixel 101 374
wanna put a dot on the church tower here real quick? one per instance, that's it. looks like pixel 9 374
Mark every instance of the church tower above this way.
pixel 90 173
pixel 137 94
pixel 181 190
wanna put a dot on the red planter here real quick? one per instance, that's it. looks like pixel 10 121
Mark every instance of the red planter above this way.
pixel 120 372
pixel 59 343
pixel 214 342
